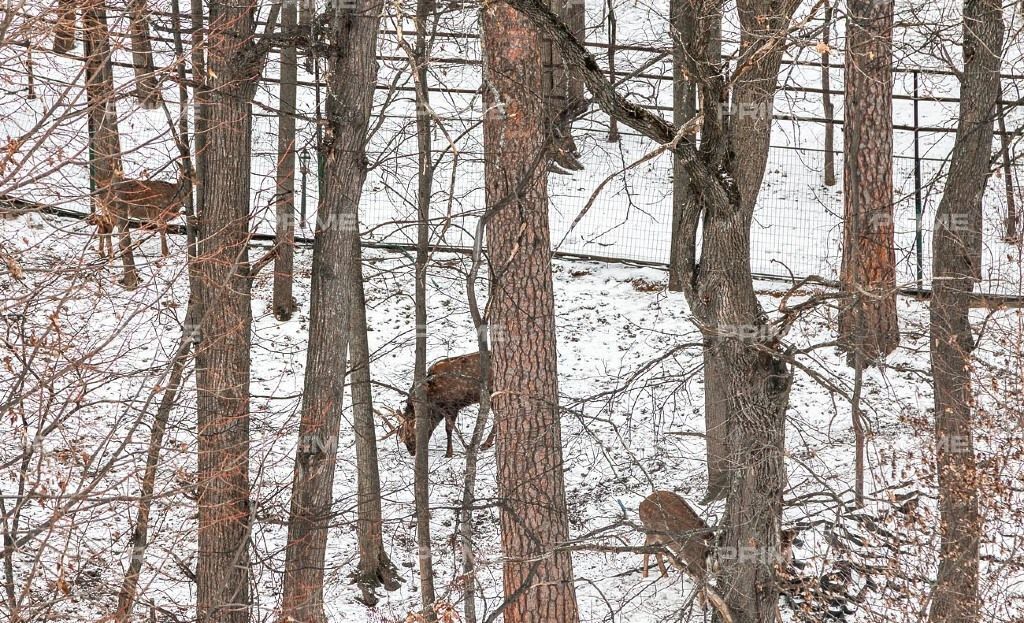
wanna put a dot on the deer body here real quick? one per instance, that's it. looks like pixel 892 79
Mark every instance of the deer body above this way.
pixel 450 385
pixel 153 202
pixel 668 520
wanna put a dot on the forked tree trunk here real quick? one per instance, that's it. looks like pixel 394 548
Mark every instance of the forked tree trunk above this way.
pixel 867 319
pixel 375 568
pixel 351 74
pixel 223 283
pixel 284 302
pixel 147 88
pixel 538 580
pixel 106 141
pixel 956 268
pixel 720 288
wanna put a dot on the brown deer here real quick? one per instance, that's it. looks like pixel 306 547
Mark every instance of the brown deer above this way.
pixel 152 202
pixel 451 385
pixel 670 522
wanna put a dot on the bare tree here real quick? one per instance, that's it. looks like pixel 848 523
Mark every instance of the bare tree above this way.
pixel 147 88
pixel 235 62
pixel 538 580
pixel 375 567
pixel 64 29
pixel 424 179
pixel 751 363
pixel 284 303
pixel 351 29
pixel 956 268
pixel 868 328
pixel 826 97
pixel 105 160
pixel 682 25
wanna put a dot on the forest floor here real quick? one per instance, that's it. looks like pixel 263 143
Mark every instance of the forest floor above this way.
pixel 632 417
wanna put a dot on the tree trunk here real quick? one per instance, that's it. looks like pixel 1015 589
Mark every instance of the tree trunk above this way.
pixel 284 302
pixel 64 29
pixel 106 140
pixel 563 94
pixel 147 89
pixel 826 99
pixel 375 568
pixel 538 580
pixel 684 106
pixel 352 72
pixel 724 179
pixel 424 178
pixel 867 319
pixel 140 536
pixel 223 283
pixel 1010 224
pixel 956 267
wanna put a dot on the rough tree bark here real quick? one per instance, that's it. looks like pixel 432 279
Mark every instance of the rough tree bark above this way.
pixel 350 29
pixel 682 26
pixel 147 88
pixel 956 268
pixel 235 63
pixel 538 580
pixel 64 29
pixel 867 320
pixel 720 288
pixel 375 567
pixel 563 94
pixel 106 141
pixel 284 302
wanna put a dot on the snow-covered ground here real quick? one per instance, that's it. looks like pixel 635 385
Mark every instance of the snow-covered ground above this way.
pixel 95 356
pixel 83 360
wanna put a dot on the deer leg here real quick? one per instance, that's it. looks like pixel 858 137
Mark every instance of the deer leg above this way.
pixel 647 560
pixel 490 437
pixel 661 563
pixel 449 426
pixel 163 241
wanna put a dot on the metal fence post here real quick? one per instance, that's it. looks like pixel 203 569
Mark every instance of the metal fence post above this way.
pixel 918 208
pixel 303 168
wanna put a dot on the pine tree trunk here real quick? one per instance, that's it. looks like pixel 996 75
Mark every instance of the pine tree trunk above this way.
pixel 147 89
pixel 956 268
pixel 867 319
pixel 538 580
pixel 351 75
pixel 284 302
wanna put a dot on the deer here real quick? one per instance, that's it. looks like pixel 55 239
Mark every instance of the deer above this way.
pixel 668 521
pixel 153 202
pixel 451 385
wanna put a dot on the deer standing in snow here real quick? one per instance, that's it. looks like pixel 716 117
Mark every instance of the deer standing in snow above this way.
pixel 153 202
pixel 451 385
pixel 670 522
